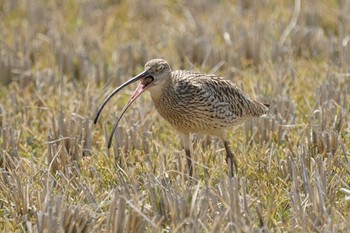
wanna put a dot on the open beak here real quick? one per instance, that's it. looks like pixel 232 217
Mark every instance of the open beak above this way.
pixel 146 81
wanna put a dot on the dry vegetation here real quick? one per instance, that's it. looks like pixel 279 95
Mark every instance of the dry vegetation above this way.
pixel 58 60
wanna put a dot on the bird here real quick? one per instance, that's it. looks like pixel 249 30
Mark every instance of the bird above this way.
pixel 193 103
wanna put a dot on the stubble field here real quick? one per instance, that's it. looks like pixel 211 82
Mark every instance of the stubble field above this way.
pixel 60 59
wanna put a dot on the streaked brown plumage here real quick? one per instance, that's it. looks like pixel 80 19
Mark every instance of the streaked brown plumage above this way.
pixel 193 103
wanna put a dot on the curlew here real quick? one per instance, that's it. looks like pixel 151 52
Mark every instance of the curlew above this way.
pixel 192 102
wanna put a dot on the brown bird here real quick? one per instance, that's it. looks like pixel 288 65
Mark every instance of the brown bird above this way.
pixel 192 102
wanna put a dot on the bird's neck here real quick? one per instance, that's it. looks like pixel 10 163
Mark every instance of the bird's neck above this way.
pixel 158 91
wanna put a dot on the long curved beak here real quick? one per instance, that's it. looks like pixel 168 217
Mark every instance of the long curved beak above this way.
pixel 146 80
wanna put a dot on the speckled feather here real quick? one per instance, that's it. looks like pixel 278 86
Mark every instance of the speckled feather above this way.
pixel 201 103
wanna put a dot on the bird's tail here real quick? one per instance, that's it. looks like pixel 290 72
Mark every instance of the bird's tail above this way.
pixel 260 109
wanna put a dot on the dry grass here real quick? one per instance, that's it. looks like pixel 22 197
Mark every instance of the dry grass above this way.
pixel 58 59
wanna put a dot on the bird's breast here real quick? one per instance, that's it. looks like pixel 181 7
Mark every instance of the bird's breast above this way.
pixel 193 115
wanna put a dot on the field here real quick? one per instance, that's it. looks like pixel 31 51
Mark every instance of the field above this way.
pixel 60 59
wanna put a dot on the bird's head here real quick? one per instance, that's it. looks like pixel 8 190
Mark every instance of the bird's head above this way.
pixel 155 74
pixel 159 69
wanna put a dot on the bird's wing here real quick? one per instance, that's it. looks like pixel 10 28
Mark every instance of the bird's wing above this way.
pixel 218 95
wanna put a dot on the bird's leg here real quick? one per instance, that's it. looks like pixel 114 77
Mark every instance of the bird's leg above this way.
pixel 230 159
pixel 186 141
pixel 189 162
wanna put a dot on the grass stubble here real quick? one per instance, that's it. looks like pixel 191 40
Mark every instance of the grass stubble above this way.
pixel 58 61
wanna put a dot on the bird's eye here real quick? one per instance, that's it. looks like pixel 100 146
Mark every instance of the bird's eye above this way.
pixel 159 68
